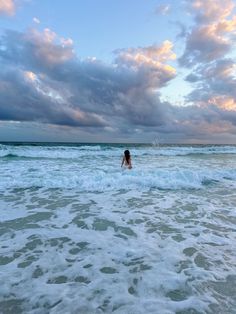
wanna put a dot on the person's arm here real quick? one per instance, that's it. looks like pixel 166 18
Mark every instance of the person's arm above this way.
pixel 122 161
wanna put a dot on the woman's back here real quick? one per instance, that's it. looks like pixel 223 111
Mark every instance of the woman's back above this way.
pixel 126 160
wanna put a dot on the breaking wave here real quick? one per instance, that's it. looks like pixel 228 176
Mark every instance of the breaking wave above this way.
pixel 73 152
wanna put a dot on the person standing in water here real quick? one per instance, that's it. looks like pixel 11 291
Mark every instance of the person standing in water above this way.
pixel 126 161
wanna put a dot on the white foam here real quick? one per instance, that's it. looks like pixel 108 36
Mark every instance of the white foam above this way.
pixel 112 178
pixel 144 254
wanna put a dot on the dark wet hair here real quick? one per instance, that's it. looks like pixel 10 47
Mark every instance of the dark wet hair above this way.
pixel 127 155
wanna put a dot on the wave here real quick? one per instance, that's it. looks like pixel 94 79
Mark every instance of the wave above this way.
pixel 90 147
pixel 10 156
pixel 74 152
pixel 122 179
pixel 184 151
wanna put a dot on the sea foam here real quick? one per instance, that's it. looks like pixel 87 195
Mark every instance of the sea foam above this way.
pixel 79 234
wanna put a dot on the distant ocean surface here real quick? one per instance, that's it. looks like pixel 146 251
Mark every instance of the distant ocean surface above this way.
pixel 79 234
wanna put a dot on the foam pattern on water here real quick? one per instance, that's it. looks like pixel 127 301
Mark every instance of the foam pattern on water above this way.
pixel 123 252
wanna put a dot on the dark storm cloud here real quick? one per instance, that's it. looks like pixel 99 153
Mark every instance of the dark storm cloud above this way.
pixel 21 101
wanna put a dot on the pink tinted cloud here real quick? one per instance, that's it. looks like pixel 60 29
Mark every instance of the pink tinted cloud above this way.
pixel 207 11
pixel 7 7
pixel 213 34
pixel 47 46
pixel 151 62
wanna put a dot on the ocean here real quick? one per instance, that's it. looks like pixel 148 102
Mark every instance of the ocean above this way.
pixel 79 234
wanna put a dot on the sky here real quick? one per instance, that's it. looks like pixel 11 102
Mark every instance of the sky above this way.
pixel 118 71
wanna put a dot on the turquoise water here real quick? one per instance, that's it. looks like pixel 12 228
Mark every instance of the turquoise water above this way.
pixel 81 235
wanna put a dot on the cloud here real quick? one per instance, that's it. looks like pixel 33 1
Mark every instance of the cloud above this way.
pixel 163 9
pixel 153 55
pixel 38 103
pixel 204 45
pixel 207 11
pixel 33 47
pixel 150 62
pixel 36 20
pixel 44 81
pixel 58 87
pixel 207 53
pixel 212 35
pixel 7 7
pixel 225 102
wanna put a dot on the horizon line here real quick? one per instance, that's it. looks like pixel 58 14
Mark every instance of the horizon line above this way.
pixel 118 143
